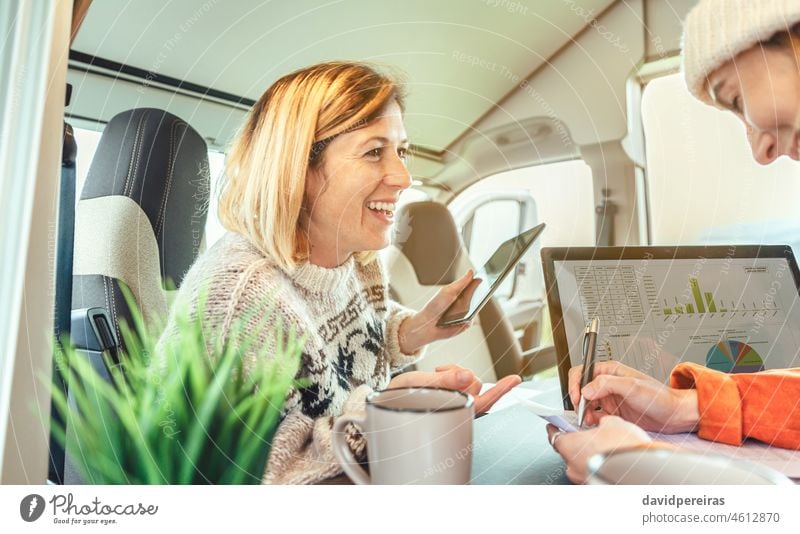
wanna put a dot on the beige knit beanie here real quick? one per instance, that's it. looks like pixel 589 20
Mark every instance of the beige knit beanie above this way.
pixel 716 31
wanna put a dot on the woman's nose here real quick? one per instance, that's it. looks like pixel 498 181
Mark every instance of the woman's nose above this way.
pixel 397 175
pixel 765 147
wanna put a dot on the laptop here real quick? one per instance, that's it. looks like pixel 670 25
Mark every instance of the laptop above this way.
pixel 732 308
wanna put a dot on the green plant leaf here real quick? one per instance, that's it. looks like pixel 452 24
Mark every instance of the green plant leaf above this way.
pixel 182 409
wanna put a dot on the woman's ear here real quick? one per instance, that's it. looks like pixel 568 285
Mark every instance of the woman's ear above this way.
pixel 316 181
pixel 313 182
pixel 315 186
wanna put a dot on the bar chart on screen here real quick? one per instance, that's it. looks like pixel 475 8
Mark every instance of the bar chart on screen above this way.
pixel 701 302
pixel 733 315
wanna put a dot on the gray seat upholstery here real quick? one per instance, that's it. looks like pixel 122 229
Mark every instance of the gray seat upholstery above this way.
pixel 139 224
pixel 426 254
pixel 141 215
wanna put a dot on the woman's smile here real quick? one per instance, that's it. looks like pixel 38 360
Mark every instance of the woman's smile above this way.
pixel 760 86
pixel 383 210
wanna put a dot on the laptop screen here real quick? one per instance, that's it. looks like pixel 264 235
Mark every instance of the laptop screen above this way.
pixel 733 309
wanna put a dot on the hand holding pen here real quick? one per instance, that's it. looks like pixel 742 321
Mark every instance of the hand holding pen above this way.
pixel 617 389
pixel 589 350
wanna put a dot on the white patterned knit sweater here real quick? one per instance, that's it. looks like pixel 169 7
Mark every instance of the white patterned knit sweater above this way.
pixel 352 342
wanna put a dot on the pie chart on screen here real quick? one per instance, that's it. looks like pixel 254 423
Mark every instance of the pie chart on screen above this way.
pixel 731 356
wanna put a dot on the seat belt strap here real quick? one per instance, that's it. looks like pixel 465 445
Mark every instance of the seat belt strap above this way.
pixel 63 283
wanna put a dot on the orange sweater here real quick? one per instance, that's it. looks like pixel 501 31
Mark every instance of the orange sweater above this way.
pixel 764 406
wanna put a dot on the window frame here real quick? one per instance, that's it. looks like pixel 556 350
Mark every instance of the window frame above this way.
pixel 466 231
pixel 634 141
pixel 453 195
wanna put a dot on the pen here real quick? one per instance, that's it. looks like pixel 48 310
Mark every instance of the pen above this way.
pixel 589 345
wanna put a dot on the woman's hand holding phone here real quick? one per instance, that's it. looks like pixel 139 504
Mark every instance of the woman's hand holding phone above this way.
pixel 422 328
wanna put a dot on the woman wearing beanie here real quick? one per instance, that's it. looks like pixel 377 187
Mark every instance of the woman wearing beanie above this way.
pixel 742 56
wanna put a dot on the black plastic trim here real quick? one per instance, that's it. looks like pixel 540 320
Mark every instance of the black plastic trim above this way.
pixel 149 77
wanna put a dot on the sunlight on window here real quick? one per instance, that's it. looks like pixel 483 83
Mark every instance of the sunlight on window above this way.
pixel 704 185
pixel 412 195
pixel 214 229
pixel 87 141
pixel 500 206
pixel 564 198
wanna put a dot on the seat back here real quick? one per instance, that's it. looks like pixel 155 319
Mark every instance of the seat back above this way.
pixel 139 224
pixel 427 254
pixel 141 216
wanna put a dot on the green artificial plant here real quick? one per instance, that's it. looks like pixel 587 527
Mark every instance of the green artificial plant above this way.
pixel 185 411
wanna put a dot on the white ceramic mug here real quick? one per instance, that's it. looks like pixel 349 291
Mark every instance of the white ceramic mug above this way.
pixel 414 436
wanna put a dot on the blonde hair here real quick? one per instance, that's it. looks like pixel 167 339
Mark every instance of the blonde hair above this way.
pixel 285 134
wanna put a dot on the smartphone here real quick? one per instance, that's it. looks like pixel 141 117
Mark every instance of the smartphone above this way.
pixel 489 277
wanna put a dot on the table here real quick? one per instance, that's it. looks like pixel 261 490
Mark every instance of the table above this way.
pixel 510 445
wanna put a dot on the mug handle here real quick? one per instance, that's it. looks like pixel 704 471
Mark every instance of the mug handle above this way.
pixel 342 450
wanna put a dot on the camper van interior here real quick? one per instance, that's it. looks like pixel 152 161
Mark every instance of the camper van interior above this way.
pixel 117 119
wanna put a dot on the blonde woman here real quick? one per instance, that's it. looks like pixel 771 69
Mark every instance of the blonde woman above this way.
pixel 742 56
pixel 311 186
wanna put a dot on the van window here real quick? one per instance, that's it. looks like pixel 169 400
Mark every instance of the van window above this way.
pixel 492 223
pixel 87 141
pixel 411 195
pixel 500 206
pixel 704 185
pixel 214 228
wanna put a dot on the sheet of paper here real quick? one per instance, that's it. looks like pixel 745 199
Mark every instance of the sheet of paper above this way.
pixel 783 460
pixel 525 391
pixel 512 398
pixel 563 419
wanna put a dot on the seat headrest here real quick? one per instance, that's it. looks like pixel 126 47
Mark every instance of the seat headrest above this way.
pixel 426 234
pixel 161 163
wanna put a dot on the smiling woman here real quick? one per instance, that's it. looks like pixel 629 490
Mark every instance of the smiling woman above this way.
pixel 760 84
pixel 310 191
pixel 742 56
pixel 282 145
pixel 368 169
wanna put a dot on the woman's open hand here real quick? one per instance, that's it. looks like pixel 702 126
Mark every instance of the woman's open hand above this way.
pixel 421 328
pixel 620 390
pixel 461 379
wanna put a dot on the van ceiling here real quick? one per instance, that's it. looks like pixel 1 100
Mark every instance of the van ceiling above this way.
pixel 459 57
